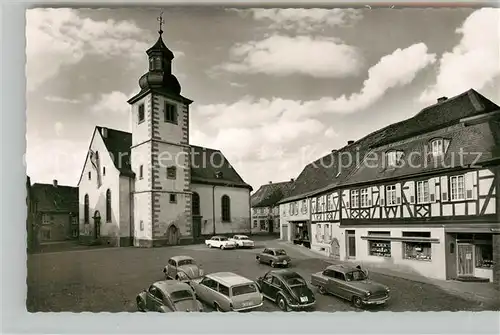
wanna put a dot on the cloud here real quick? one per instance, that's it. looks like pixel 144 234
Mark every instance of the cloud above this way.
pixel 397 69
pixel 58 128
pixel 59 37
pixel 57 99
pixel 331 133
pixel 114 102
pixel 279 55
pixel 302 19
pixel 474 62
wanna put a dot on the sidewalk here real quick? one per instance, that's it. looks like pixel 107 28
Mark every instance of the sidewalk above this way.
pixel 485 292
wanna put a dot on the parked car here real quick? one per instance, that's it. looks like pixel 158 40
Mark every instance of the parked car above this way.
pixel 182 268
pixel 168 296
pixel 287 289
pixel 242 241
pixel 227 291
pixel 274 257
pixel 350 283
pixel 221 242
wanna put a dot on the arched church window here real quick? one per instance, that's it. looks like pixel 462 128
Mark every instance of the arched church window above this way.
pixel 226 208
pixel 108 205
pixel 196 204
pixel 86 209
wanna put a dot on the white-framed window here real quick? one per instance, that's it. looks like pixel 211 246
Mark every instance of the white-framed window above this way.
pixel 355 198
pixel 140 113
pixel 141 225
pixel 170 113
pixel 171 172
pixel 437 147
pixel 423 192
pixel 457 188
pixel 364 197
pixel 390 195
pixel 391 158
pixel 141 171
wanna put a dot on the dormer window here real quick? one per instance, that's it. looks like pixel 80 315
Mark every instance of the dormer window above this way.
pixel 393 157
pixel 437 147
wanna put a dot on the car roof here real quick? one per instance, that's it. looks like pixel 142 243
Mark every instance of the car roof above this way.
pixel 341 268
pixel 274 249
pixel 181 258
pixel 218 236
pixel 240 236
pixel 229 278
pixel 282 273
pixel 169 286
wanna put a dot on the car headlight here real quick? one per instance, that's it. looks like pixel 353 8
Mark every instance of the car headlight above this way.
pixel 368 294
pixel 387 290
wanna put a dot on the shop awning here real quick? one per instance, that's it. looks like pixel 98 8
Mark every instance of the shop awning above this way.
pixel 400 239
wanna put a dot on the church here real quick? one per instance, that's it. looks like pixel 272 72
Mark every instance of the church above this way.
pixel 151 187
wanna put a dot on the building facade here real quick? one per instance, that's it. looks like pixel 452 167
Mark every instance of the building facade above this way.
pixel 427 201
pixel 52 213
pixel 151 187
pixel 265 208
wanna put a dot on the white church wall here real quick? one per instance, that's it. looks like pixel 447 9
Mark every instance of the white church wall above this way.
pixel 169 156
pixel 169 132
pixel 142 131
pixel 143 230
pixel 109 231
pixel 171 214
pixel 126 215
pixel 239 209
pixel 141 155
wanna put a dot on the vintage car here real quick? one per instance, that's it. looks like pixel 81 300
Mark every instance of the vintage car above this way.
pixel 242 241
pixel 274 257
pixel 287 289
pixel 350 283
pixel 221 242
pixel 228 292
pixel 182 268
pixel 168 296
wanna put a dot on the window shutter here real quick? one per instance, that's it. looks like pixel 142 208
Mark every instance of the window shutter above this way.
pixel 347 195
pixel 446 144
pixel 398 193
pixel 444 188
pixel 432 190
pixel 468 185
pixel 381 194
pixel 411 192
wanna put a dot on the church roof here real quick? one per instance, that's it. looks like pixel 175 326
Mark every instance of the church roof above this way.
pixel 50 198
pixel 208 166
pixel 270 194
pixel 320 175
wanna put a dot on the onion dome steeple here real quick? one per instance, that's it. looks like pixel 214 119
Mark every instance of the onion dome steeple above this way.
pixel 160 67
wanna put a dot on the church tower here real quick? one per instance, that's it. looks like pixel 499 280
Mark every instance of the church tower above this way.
pixel 160 154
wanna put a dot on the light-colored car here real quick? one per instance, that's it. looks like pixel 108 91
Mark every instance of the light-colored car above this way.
pixel 168 296
pixel 227 291
pixel 182 268
pixel 274 257
pixel 242 241
pixel 221 242
pixel 350 283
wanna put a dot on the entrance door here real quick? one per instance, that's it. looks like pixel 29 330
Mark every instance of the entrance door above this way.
pixel 196 226
pixel 465 259
pixel 97 225
pixel 284 230
pixel 271 226
pixel 173 235
pixel 351 243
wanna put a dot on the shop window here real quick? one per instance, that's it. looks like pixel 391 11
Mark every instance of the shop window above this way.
pixel 420 251
pixel 484 256
pixel 255 223
pixel 379 248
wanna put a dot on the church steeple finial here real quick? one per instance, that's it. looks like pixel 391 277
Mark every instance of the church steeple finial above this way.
pixel 161 21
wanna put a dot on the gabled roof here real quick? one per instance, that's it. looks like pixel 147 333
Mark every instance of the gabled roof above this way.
pixel 270 194
pixel 321 175
pixel 50 198
pixel 118 144
pixel 208 166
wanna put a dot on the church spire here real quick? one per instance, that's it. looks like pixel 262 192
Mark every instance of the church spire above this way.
pixel 160 66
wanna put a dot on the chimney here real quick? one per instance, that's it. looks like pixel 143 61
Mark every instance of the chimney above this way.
pixel 350 142
pixel 270 182
pixel 54 182
pixel 292 180
pixel 104 132
pixel 334 151
pixel 442 99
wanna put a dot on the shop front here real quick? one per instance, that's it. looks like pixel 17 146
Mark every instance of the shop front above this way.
pixel 474 256
pixel 301 233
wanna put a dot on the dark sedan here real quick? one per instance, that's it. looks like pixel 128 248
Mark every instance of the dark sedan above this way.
pixel 287 289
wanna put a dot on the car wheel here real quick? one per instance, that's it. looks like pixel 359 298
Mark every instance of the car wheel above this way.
pixel 209 245
pixel 257 259
pixel 217 308
pixel 357 302
pixel 140 305
pixel 321 290
pixel 221 247
pixel 282 304
pixel 272 264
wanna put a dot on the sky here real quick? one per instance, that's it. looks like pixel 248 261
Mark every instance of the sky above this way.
pixel 273 89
